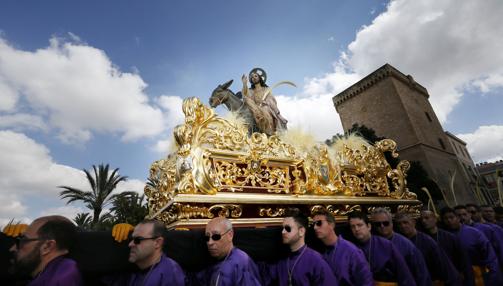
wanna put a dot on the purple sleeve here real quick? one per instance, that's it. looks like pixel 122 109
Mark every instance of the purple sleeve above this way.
pixel 404 276
pixel 360 270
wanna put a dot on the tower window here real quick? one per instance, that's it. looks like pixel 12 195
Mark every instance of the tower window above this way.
pixel 441 143
pixel 427 116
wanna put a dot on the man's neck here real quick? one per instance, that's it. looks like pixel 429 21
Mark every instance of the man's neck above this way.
pixel 412 233
pixel 433 230
pixel 298 245
pixel 330 240
pixel 389 236
pixel 46 260
pixel 365 239
pixel 155 258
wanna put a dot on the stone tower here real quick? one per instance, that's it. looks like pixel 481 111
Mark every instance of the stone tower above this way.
pixel 397 107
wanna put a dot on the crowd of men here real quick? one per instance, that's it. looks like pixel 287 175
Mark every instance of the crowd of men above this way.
pixel 467 250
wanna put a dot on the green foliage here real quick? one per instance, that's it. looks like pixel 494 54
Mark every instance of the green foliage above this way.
pixel 128 207
pixel 83 220
pixel 102 183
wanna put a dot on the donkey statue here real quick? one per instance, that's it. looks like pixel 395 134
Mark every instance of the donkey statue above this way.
pixel 234 103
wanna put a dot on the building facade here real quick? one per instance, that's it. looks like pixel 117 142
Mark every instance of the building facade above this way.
pixel 492 176
pixel 470 172
pixel 397 107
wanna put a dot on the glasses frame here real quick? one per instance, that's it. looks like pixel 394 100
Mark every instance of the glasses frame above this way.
pixel 216 236
pixel 318 222
pixel 137 240
pixel 385 223
pixel 22 240
pixel 287 228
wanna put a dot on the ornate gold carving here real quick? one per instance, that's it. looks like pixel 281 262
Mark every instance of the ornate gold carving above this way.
pixel 336 210
pixel 215 156
pixel 270 212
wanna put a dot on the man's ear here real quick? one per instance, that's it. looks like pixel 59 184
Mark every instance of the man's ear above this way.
pixel 302 231
pixel 159 242
pixel 47 247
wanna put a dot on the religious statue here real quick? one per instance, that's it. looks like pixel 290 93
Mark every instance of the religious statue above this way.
pixel 261 102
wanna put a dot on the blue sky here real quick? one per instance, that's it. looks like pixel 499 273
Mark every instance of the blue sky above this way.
pixel 83 83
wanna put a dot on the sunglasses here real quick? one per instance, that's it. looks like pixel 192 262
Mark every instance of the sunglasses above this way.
pixel 287 228
pixel 137 240
pixel 216 236
pixel 381 223
pixel 318 222
pixel 22 240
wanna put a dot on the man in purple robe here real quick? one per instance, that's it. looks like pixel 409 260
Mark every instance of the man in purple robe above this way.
pixel 346 260
pixel 440 267
pixel 479 251
pixel 447 241
pixel 487 230
pixel 386 263
pixel 303 266
pixel 383 224
pixel 146 252
pixel 40 252
pixel 492 215
pixel 233 266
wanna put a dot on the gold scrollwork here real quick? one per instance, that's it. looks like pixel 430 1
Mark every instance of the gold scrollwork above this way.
pixel 216 156
pixel 233 211
pixel 270 212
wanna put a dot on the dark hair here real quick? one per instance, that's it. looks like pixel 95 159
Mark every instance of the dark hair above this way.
pixel 298 217
pixel 360 215
pixel 328 215
pixel 158 227
pixel 63 231
pixel 460 207
pixel 473 205
pixel 446 210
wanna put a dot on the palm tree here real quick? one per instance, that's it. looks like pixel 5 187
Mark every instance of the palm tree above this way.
pixel 83 220
pixel 102 185
pixel 129 207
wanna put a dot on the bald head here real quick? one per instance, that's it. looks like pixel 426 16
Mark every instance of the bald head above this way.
pixel 219 236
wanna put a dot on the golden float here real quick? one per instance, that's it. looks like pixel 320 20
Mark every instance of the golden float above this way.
pixel 218 169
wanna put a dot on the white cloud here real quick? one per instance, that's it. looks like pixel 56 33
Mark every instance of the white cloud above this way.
pixel 11 208
pixel 312 110
pixel 27 167
pixel 173 107
pixel 67 211
pixel 21 121
pixel 165 146
pixel 446 45
pixel 77 90
pixel 9 96
pixel 130 185
pixel 29 176
pixel 485 144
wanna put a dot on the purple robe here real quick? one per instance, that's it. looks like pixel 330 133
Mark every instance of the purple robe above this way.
pixel 60 271
pixel 450 244
pixel 307 267
pixel 480 253
pixel 439 265
pixel 386 262
pixel 164 273
pixel 497 241
pixel 236 269
pixel 414 259
pixel 355 269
